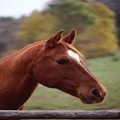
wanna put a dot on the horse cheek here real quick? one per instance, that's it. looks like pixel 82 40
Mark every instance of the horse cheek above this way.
pixel 45 76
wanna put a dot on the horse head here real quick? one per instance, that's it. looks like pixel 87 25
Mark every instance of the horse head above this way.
pixel 60 65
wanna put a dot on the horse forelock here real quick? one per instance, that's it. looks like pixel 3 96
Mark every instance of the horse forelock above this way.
pixel 72 48
pixel 61 48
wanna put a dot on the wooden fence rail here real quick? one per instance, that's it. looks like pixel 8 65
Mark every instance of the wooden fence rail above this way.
pixel 59 114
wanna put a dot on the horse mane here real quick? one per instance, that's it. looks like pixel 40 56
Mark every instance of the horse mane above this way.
pixel 36 45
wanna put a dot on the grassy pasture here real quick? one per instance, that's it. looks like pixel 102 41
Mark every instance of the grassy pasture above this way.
pixel 105 69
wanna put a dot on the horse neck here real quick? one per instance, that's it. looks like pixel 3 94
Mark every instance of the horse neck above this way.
pixel 19 79
pixel 27 54
pixel 16 66
pixel 22 59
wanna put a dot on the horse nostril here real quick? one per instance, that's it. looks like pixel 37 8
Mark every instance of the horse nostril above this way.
pixel 96 93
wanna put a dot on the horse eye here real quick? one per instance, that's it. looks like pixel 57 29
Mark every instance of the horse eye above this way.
pixel 62 61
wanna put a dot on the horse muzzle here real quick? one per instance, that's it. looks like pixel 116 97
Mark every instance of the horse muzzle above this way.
pixel 95 97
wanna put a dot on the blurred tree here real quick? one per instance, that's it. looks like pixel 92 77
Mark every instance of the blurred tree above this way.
pixel 95 21
pixel 36 27
pixel 101 37
pixel 8 29
pixel 118 28
pixel 71 14
pixel 115 6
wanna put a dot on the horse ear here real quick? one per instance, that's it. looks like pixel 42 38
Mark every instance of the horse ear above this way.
pixel 54 40
pixel 70 38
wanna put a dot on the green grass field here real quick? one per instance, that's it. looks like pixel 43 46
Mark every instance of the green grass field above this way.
pixel 105 69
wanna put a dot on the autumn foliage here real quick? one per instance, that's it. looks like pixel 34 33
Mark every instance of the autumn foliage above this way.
pixel 100 39
pixel 94 22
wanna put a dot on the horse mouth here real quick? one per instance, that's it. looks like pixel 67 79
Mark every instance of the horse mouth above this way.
pixel 88 100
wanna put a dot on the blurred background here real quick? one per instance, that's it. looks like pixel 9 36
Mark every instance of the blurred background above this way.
pixel 98 37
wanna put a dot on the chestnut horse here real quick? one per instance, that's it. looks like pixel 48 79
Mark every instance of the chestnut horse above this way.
pixel 54 63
